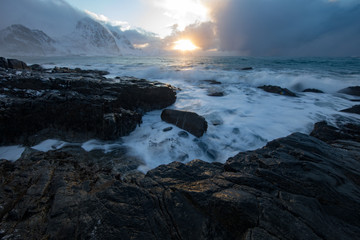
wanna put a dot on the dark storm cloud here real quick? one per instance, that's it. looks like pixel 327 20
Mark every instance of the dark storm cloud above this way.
pixel 283 27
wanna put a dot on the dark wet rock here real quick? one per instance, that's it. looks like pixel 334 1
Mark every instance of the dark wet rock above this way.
pixel 297 187
pixel 217 122
pixel 75 106
pixel 44 192
pixel 353 109
pixel 213 82
pixel 331 134
pixel 183 134
pixel 247 68
pixel 216 94
pixel 167 129
pixel 77 70
pixel 3 63
pixel 355 91
pixel 305 180
pixel 17 64
pixel 189 121
pixel 313 90
pixel 236 131
pixel 278 90
pixel 37 67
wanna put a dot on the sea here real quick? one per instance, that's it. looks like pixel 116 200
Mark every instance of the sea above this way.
pixel 244 117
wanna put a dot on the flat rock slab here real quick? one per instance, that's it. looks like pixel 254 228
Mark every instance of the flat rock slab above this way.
pixel 189 121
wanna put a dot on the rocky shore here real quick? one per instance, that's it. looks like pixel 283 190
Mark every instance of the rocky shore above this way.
pixel 297 187
pixel 72 104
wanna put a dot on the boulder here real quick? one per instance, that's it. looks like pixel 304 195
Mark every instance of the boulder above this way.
pixel 354 109
pixel 189 121
pixel 17 64
pixel 355 90
pixel 278 90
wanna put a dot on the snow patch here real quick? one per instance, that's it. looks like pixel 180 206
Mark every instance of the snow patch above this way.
pixel 11 153
pixel 50 144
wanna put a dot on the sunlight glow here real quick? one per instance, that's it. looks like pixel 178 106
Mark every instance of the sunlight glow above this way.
pixel 184 12
pixel 185 45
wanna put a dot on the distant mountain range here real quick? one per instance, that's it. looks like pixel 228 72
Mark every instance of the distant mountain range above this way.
pixel 89 37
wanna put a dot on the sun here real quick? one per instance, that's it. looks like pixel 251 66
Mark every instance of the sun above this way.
pixel 185 45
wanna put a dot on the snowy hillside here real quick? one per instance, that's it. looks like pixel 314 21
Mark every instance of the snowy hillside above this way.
pixel 20 40
pixel 125 45
pixel 88 38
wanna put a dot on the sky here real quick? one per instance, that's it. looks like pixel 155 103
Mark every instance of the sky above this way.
pixel 237 27
pixel 158 16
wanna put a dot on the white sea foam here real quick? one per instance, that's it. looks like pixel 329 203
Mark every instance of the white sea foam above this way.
pixel 245 118
pixel 99 145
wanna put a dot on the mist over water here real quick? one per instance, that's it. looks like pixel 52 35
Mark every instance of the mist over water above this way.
pixel 54 17
pixel 245 118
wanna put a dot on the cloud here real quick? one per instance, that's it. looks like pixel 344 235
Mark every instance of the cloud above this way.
pixel 283 27
pixel 180 12
pixel 102 18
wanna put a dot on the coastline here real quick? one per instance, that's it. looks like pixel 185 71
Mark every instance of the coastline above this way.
pixel 298 187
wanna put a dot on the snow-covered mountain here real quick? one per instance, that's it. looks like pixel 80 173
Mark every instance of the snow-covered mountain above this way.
pixel 88 37
pixel 20 40
pixel 65 30
pixel 126 46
